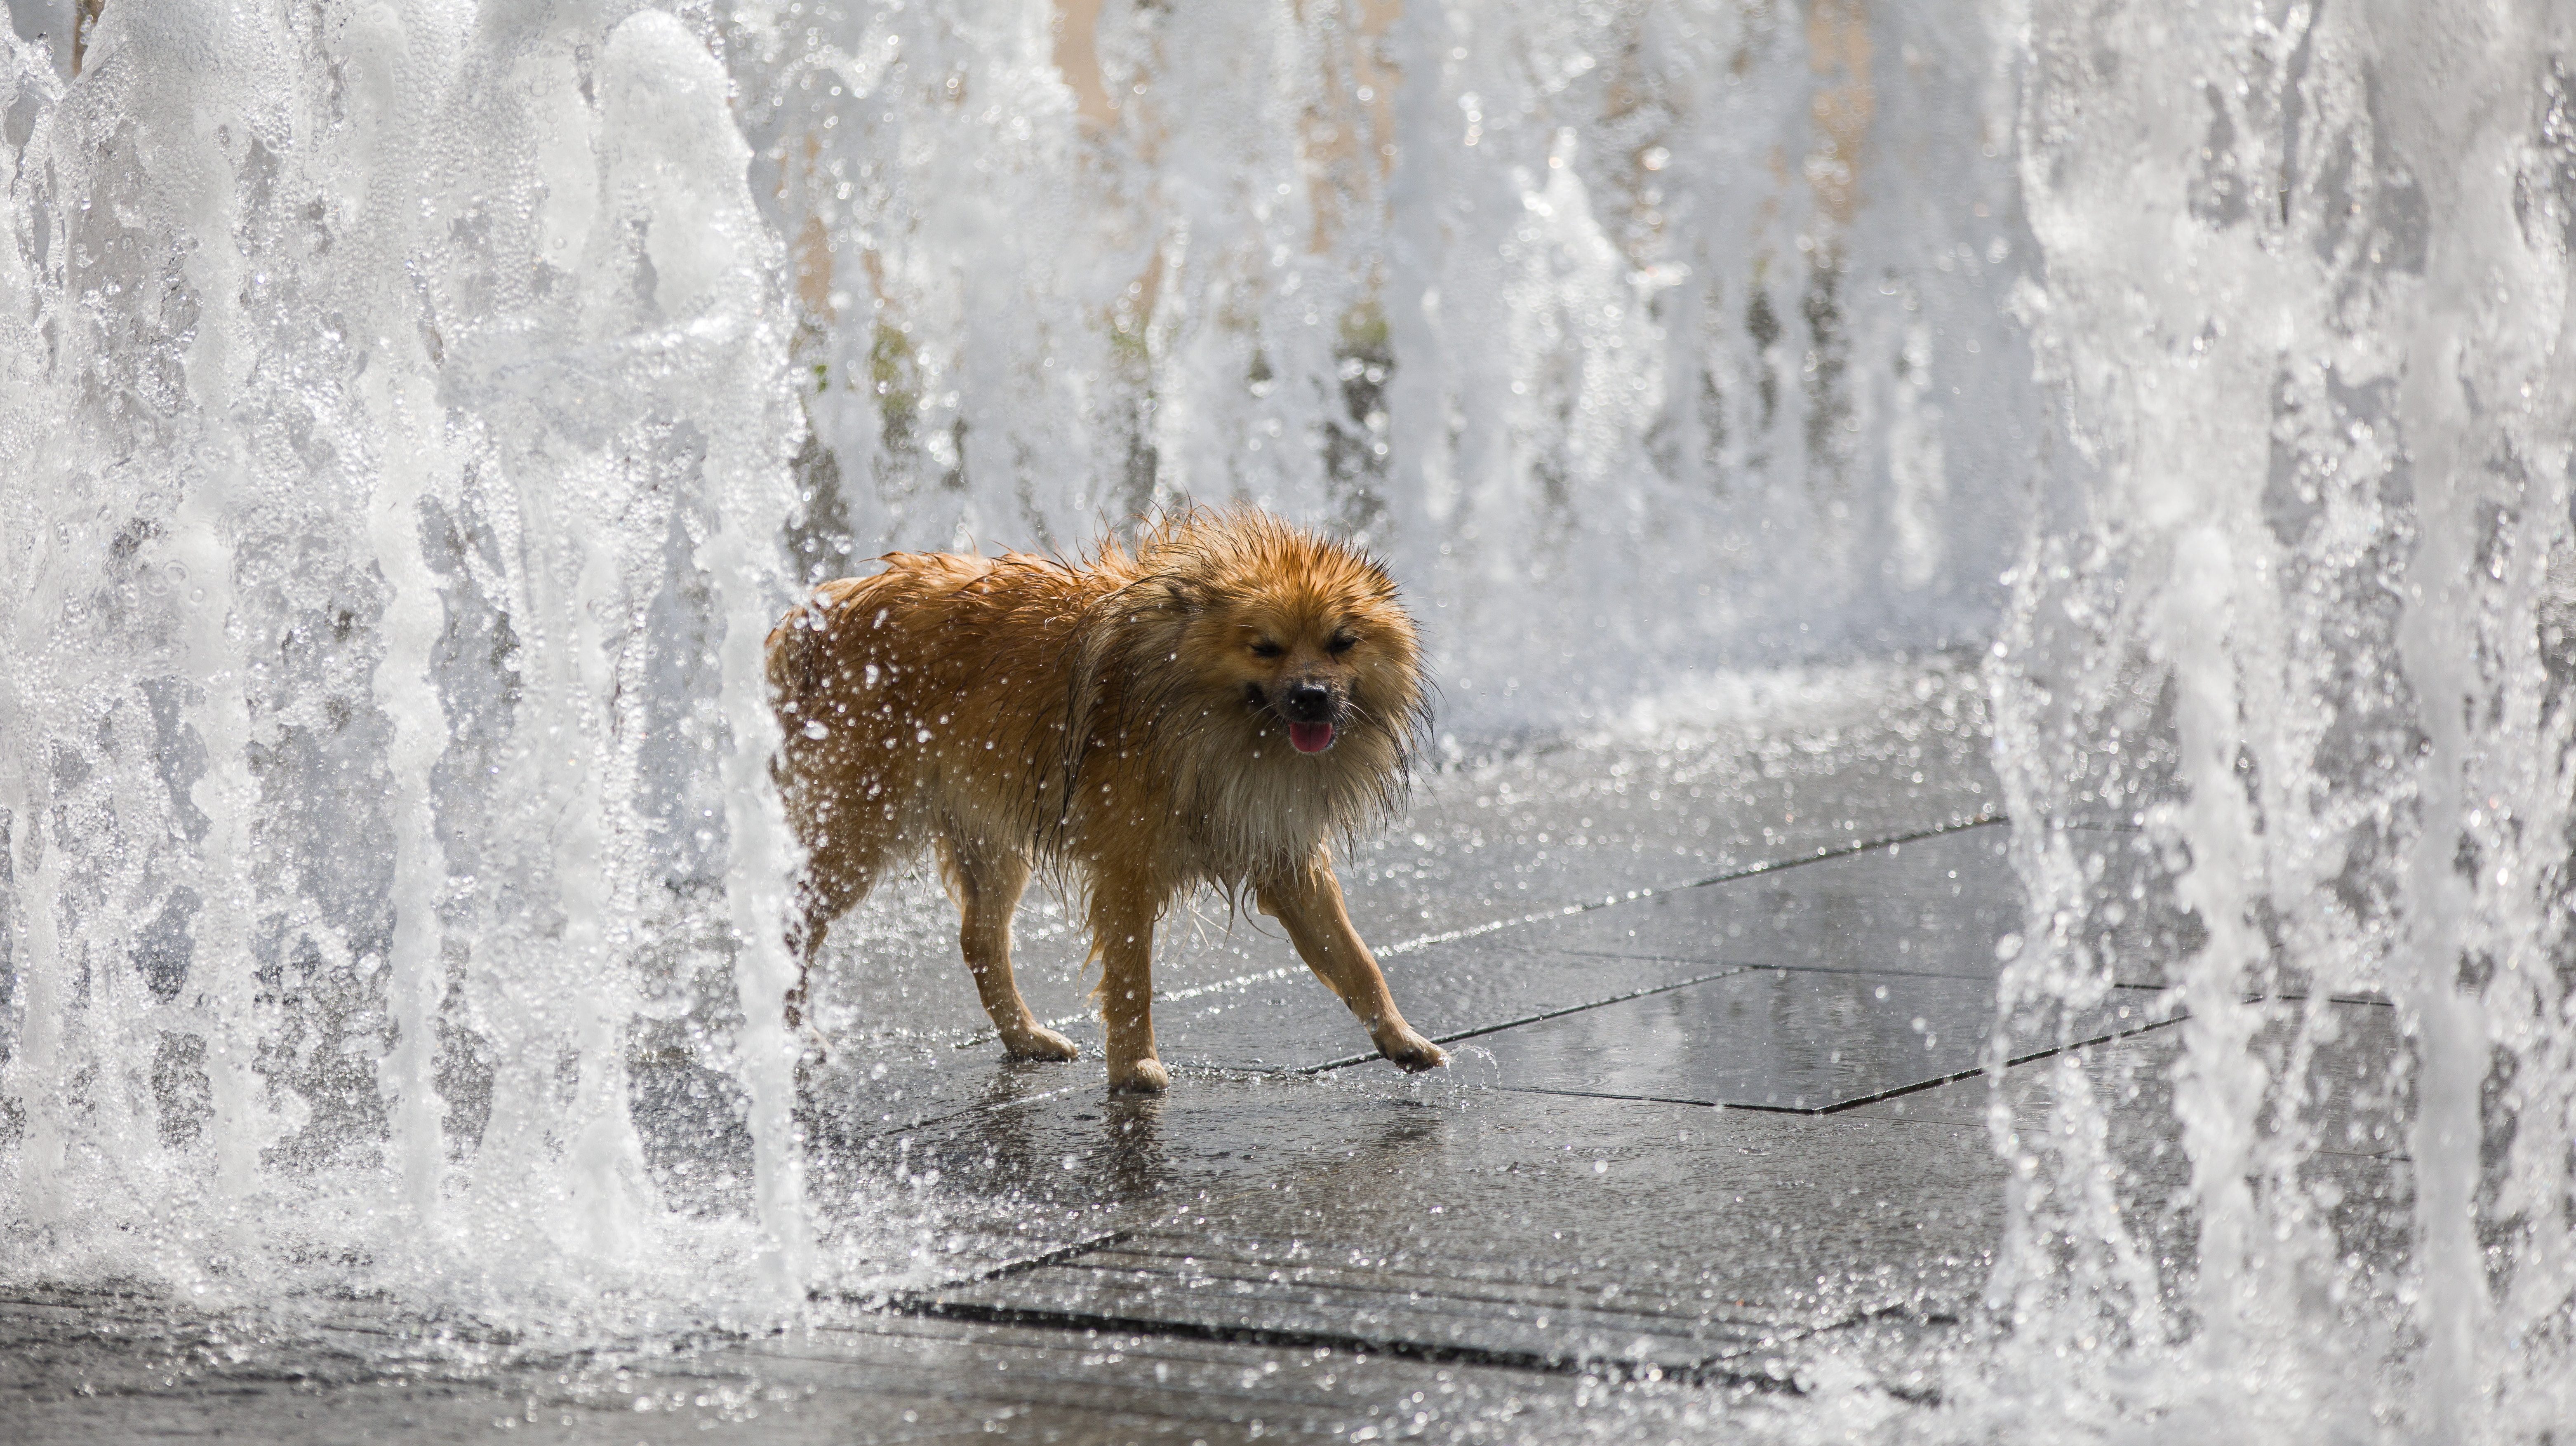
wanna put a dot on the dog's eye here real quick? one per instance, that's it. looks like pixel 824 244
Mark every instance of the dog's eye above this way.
pixel 1267 649
pixel 1341 643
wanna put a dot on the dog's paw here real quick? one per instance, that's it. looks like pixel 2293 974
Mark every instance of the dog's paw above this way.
pixel 1413 1052
pixel 1140 1077
pixel 1041 1043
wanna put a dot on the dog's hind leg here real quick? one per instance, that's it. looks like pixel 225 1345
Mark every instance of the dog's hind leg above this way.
pixel 820 898
pixel 1308 900
pixel 840 867
pixel 986 883
pixel 805 940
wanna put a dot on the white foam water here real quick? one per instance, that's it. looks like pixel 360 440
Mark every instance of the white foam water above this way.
pixel 413 411
pixel 396 427
pixel 2299 612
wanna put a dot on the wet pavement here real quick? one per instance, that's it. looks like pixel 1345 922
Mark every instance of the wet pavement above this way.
pixel 1716 1129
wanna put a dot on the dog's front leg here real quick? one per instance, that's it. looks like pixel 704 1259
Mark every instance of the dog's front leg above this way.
pixel 1308 901
pixel 1123 909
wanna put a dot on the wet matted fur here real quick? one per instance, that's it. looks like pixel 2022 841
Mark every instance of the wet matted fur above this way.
pixel 1217 705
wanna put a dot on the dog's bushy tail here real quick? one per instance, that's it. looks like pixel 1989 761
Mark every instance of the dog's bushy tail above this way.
pixel 796 659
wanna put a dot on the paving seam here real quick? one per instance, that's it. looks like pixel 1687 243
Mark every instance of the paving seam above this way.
pixel 2015 1062
pixel 881 1324
pixel 1072 1386
pixel 1650 1099
pixel 1112 1239
pixel 1399 1273
pixel 1709 1372
pixel 2368 1000
pixel 1426 1327
pixel 1749 871
pixel 1728 972
pixel 1076 1391
pixel 1838 1106
pixel 1419 1301
pixel 928 1305
pixel 1739 966
pixel 1166 1229
pixel 1040 1261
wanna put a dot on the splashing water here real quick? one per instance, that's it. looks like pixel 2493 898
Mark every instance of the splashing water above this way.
pixel 2300 611
pixel 414 413
pixel 395 435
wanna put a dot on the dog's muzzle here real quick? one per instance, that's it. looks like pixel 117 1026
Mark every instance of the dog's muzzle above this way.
pixel 1311 709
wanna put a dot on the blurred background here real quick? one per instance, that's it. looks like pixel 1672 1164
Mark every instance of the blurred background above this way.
pixel 1644 338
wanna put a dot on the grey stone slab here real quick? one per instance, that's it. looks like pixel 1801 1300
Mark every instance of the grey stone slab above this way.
pixel 1777 1039
pixel 1938 902
pixel 1932 905
pixel 1083 1165
pixel 1929 905
pixel 891 1088
pixel 1052 1383
pixel 1937 898
pixel 2353 1090
pixel 90 1368
pixel 1448 991
pixel 1865 752
pixel 1275 1291
pixel 1111 1386
pixel 1236 996
pixel 2359 1180
pixel 1741 1236
pixel 1475 1223
pixel 1280 1017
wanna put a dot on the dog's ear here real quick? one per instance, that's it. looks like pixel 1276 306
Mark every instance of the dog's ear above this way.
pixel 1188 597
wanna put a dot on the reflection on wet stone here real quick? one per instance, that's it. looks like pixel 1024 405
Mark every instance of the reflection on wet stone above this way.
pixel 1779 1039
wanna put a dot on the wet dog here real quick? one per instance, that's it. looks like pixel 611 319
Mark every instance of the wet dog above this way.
pixel 1216 706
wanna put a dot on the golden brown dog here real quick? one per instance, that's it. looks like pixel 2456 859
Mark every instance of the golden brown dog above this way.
pixel 1216 706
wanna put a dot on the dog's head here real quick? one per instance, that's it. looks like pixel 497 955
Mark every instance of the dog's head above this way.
pixel 1292 637
pixel 1312 651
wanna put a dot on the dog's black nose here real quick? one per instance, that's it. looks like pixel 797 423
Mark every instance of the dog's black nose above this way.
pixel 1307 703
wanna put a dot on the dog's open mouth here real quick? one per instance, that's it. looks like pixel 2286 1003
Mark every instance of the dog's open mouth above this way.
pixel 1310 737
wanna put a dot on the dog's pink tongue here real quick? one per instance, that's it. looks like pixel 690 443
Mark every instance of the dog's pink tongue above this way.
pixel 1311 737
